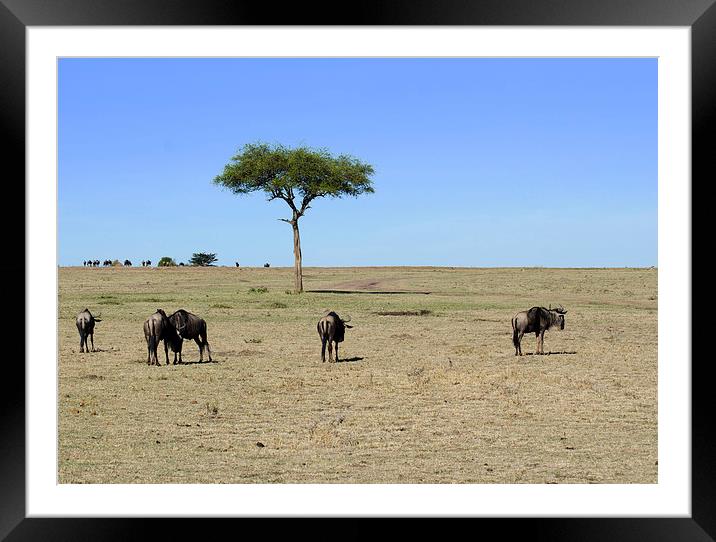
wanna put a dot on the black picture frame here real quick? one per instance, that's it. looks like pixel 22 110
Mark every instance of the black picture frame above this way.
pixel 699 15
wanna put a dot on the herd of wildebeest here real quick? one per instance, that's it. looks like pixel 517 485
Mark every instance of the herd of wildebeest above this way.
pixel 181 325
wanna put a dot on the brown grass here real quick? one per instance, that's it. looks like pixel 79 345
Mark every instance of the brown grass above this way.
pixel 419 397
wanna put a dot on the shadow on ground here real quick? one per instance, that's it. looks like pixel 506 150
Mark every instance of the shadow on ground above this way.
pixel 349 360
pixel 550 353
pixel 364 292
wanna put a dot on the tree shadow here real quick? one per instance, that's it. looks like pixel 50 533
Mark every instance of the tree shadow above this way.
pixel 364 292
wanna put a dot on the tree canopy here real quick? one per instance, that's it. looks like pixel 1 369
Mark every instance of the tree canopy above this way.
pixel 298 176
pixel 202 259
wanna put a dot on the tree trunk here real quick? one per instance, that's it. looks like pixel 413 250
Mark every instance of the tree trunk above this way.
pixel 298 269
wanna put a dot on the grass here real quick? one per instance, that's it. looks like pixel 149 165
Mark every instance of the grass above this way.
pixel 430 392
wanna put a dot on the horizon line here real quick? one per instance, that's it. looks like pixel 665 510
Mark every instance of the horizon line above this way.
pixel 373 266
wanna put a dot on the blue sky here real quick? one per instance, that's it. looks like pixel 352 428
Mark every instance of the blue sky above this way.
pixel 478 162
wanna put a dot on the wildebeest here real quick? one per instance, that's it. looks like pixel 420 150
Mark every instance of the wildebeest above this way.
pixel 190 326
pixel 157 328
pixel 85 325
pixel 331 329
pixel 537 320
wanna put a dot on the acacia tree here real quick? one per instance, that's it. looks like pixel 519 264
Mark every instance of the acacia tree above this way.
pixel 202 259
pixel 297 176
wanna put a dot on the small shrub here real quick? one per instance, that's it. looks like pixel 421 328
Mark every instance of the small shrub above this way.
pixel 259 290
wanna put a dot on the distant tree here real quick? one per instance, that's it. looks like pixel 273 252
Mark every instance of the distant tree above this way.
pixel 127 263
pixel 297 176
pixel 166 261
pixel 202 259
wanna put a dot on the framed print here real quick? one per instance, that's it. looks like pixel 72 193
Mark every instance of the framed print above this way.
pixel 300 442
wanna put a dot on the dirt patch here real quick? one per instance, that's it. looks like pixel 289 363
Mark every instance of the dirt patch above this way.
pixel 367 286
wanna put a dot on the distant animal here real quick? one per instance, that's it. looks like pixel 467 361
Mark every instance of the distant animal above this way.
pixel 128 263
pixel 331 329
pixel 267 265
pixel 237 264
pixel 85 325
pixel 158 328
pixel 190 326
pixel 536 320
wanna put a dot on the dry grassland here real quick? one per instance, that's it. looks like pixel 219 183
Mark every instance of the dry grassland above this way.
pixel 428 389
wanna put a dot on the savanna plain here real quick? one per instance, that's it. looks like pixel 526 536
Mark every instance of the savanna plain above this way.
pixel 428 388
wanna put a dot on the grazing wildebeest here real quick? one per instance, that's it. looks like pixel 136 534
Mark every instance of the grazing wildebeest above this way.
pixel 190 326
pixel 85 325
pixel 331 329
pixel 128 263
pixel 157 328
pixel 537 320
pixel 267 265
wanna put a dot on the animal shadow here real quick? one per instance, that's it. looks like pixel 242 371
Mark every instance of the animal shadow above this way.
pixel 349 360
pixel 205 362
pixel 565 352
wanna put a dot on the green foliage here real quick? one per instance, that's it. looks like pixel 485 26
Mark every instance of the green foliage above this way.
pixel 259 290
pixel 166 261
pixel 297 176
pixel 202 259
